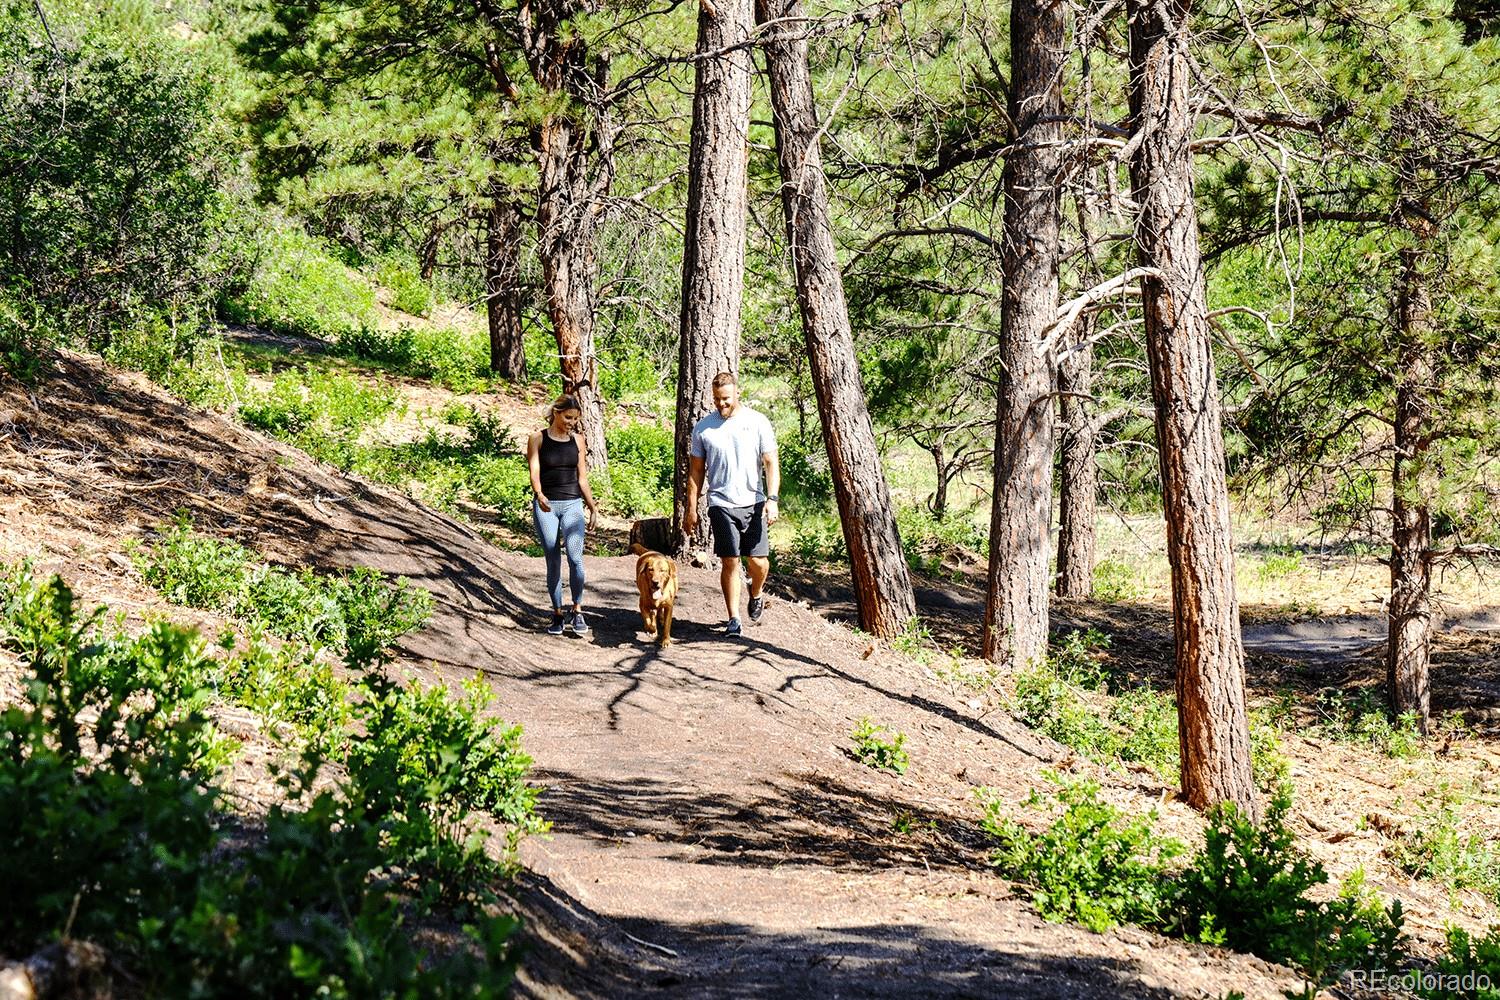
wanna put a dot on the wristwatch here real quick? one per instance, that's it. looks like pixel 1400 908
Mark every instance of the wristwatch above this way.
pixel 773 497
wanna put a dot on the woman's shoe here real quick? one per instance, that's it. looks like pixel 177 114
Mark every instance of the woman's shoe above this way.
pixel 556 628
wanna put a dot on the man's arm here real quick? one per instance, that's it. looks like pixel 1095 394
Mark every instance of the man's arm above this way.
pixel 773 486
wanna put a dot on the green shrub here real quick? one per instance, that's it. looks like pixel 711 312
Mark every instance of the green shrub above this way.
pixel 1092 866
pixel 1463 969
pixel 193 569
pixel 287 684
pixel 430 762
pixel 299 288
pixel 375 613
pixel 113 831
pixel 640 469
pixel 359 611
pixel 1117 582
pixel 872 750
pixel 1248 889
pixel 457 360
pixel 308 407
pixel 628 371
pixel 409 293
pixel 1148 720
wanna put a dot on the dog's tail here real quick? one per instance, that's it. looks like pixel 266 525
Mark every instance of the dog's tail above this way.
pixel 637 549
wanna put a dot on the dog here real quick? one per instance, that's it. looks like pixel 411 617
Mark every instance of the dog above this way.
pixel 656 579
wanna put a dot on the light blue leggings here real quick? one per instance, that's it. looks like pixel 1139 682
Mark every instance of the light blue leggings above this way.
pixel 560 528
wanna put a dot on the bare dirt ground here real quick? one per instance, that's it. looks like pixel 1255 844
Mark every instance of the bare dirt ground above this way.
pixel 711 835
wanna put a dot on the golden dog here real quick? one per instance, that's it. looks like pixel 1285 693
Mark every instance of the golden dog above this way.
pixel 656 579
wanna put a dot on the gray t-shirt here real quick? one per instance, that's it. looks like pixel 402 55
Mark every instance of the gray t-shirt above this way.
pixel 732 451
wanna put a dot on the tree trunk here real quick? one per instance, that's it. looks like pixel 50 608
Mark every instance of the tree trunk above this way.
pixel 1080 472
pixel 713 259
pixel 502 290
pixel 568 224
pixel 1015 620
pixel 1409 637
pixel 882 582
pixel 1210 660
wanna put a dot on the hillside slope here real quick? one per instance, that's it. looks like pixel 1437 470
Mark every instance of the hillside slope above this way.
pixel 711 836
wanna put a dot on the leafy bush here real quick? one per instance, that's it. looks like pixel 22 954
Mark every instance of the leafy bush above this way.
pixel 114 832
pixel 358 611
pixel 640 469
pixel 409 293
pixel 871 750
pixel 299 288
pixel 1248 889
pixel 1467 962
pixel 1092 865
pixel 453 358
pixel 1117 581
pixel 318 409
pixel 287 684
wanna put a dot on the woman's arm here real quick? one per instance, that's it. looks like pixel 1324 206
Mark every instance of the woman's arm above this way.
pixel 583 480
pixel 534 463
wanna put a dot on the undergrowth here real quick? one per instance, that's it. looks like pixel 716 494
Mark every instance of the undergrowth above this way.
pixel 116 828
pixel 1248 888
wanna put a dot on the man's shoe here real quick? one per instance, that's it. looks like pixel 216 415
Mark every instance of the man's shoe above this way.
pixel 757 608
pixel 578 625
pixel 556 628
pixel 733 627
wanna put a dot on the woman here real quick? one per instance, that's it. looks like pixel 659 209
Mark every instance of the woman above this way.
pixel 560 479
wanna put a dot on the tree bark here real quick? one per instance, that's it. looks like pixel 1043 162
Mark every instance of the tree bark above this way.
pixel 1409 634
pixel 575 149
pixel 502 289
pixel 1015 625
pixel 1079 500
pixel 1210 660
pixel 713 259
pixel 882 582
pixel 566 219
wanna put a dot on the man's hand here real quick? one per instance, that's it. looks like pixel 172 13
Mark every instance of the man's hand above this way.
pixel 690 520
pixel 773 512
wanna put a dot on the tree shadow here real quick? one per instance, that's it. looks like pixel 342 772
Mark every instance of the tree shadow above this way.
pixel 572 950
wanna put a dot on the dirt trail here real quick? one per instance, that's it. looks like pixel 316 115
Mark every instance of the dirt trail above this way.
pixel 711 837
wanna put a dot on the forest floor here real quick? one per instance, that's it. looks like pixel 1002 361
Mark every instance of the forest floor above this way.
pixel 712 836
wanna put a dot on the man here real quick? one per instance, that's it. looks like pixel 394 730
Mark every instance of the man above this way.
pixel 729 448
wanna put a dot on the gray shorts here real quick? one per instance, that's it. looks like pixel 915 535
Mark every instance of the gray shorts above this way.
pixel 739 531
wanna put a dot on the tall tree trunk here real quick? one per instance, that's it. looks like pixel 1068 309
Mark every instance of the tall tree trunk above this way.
pixel 1079 500
pixel 882 582
pixel 713 258
pixel 568 224
pixel 1015 625
pixel 502 273
pixel 1210 660
pixel 1409 636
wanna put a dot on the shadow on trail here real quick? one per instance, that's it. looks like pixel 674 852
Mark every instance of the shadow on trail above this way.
pixel 810 819
pixel 570 950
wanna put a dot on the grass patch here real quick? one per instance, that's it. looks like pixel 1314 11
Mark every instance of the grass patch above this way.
pixel 1360 716
pixel 1435 848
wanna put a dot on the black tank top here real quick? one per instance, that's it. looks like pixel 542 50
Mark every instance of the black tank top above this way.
pixel 559 466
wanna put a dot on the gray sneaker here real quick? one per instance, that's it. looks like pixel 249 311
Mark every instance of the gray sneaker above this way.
pixel 733 627
pixel 578 625
pixel 757 608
